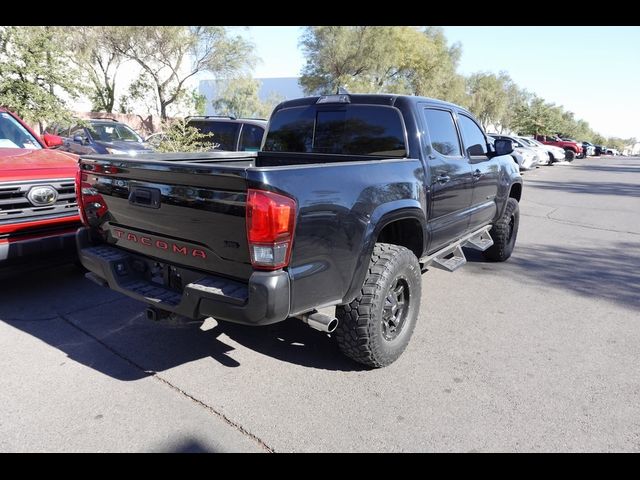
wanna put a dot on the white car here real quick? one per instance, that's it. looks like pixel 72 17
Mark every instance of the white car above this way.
pixel 540 149
pixel 525 156
pixel 555 154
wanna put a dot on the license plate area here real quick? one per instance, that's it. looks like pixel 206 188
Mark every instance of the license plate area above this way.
pixel 165 275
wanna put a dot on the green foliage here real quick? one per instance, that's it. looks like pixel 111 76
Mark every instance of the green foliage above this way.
pixel 620 143
pixel 374 59
pixel 181 137
pixel 99 62
pixel 537 117
pixel 35 73
pixel 488 99
pixel 494 99
pixel 199 102
pixel 170 55
pixel 239 97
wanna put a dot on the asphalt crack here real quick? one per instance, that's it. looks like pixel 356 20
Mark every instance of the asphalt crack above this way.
pixel 156 376
pixel 581 225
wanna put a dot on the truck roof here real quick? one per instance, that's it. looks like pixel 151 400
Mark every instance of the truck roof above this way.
pixel 371 98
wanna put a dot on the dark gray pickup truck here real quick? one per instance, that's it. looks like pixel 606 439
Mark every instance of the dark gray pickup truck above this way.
pixel 333 221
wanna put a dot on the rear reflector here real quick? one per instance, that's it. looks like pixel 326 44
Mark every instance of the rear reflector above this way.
pixel 270 226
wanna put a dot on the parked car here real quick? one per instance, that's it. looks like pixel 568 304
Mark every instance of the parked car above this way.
pixel 526 157
pixel 588 149
pixel 350 198
pixel 38 209
pixel 103 135
pixel 571 148
pixel 231 133
pixel 555 154
pixel 600 150
pixel 612 151
pixel 541 150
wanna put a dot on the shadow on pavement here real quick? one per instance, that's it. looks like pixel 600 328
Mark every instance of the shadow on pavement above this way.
pixel 613 168
pixel 610 272
pixel 590 188
pixel 63 309
pixel 189 446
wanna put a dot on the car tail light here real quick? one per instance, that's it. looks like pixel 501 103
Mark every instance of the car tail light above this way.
pixel 270 226
pixel 90 203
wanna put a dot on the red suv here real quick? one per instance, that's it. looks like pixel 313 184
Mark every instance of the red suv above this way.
pixel 572 149
pixel 38 209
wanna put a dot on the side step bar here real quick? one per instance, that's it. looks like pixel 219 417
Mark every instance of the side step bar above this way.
pixel 451 257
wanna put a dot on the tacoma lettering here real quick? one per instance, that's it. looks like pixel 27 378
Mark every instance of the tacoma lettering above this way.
pixel 161 244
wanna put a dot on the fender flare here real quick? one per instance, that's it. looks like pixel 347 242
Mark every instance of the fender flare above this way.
pixel 382 216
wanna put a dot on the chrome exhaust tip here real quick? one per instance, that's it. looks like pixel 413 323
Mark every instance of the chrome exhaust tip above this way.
pixel 320 321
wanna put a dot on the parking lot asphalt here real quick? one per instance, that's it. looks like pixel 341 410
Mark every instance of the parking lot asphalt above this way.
pixel 539 353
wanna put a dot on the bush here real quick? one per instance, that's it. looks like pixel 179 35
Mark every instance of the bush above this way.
pixel 181 137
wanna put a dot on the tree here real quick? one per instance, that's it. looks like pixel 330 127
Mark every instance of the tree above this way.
pixel 537 117
pixel 179 136
pixel 35 73
pixel 488 99
pixel 170 55
pixel 99 61
pixel 239 97
pixel 374 59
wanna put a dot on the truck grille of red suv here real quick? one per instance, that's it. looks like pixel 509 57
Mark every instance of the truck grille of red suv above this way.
pixel 16 207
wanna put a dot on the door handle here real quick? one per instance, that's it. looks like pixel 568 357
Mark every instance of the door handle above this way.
pixel 442 178
pixel 477 174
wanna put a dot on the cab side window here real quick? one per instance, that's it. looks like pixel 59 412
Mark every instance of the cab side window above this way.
pixel 251 138
pixel 474 140
pixel 443 133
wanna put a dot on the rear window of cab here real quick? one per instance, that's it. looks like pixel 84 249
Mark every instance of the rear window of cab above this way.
pixel 372 130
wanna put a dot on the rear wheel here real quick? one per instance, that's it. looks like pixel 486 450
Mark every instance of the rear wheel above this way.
pixel 375 328
pixel 504 233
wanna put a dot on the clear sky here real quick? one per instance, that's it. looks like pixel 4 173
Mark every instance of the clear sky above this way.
pixel 591 71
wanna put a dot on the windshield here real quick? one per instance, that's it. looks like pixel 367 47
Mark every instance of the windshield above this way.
pixel 14 135
pixel 338 129
pixel 528 142
pixel 110 133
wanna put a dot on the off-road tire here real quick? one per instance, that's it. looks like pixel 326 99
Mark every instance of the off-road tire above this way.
pixel 504 233
pixel 361 334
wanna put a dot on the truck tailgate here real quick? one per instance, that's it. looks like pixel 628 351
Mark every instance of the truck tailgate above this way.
pixel 154 207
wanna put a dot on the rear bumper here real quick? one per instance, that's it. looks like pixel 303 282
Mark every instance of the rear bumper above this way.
pixel 18 250
pixel 261 301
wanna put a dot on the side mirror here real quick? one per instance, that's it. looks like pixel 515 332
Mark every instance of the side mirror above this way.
pixel 78 139
pixel 503 147
pixel 51 140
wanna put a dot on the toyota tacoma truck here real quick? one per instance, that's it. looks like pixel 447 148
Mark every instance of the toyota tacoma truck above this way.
pixel 350 199
pixel 38 210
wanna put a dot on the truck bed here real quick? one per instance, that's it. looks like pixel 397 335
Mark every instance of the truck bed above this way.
pixel 199 221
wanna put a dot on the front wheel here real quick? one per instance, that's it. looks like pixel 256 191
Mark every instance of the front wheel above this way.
pixel 375 328
pixel 504 233
pixel 569 155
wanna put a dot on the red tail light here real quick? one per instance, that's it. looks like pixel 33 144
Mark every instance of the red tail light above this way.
pixel 83 216
pixel 90 203
pixel 270 226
